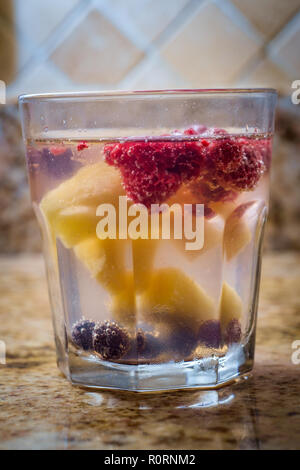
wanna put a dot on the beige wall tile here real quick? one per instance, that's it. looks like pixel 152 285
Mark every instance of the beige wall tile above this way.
pixel 38 18
pixel 266 74
pixel 155 74
pixel 210 50
pixel 96 52
pixel 268 16
pixel 41 78
pixel 150 17
pixel 285 50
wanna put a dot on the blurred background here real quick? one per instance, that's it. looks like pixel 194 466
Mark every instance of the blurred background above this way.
pixel 69 45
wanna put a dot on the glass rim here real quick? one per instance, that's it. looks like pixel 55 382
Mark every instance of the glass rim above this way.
pixel 146 93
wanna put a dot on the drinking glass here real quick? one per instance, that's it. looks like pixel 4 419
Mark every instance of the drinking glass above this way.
pixel 152 207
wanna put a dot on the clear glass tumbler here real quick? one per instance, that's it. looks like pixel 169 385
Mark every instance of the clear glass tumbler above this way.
pixel 152 207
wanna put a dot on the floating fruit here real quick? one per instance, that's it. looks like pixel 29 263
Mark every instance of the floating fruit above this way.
pixel 79 197
pixel 231 306
pixel 82 334
pixel 105 260
pixel 122 303
pixel 74 224
pixel 143 259
pixel 209 334
pixel 175 299
pixel 153 171
pixel 237 234
pixel 110 340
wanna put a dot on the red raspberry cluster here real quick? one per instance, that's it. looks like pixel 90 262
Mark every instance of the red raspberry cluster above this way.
pixel 216 165
pixel 236 163
pixel 154 171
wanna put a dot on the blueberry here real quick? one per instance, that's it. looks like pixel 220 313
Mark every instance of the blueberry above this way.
pixel 82 334
pixel 110 340
pixel 233 332
pixel 210 334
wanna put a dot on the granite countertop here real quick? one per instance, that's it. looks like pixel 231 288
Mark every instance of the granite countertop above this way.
pixel 39 409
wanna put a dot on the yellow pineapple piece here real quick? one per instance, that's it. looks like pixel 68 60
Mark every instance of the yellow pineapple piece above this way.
pixel 143 259
pixel 224 209
pixel 122 304
pixel 74 224
pixel 231 305
pixel 105 260
pixel 70 209
pixel 212 237
pixel 70 213
pixel 175 299
pixel 237 234
pixel 90 186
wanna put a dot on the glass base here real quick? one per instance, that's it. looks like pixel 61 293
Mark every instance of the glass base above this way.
pixel 207 373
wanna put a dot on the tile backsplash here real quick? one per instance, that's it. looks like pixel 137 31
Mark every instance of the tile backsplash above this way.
pixel 55 45
pixel 71 45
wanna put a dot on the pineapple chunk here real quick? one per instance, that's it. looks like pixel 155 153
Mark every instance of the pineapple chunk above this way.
pixel 224 208
pixel 213 236
pixel 176 300
pixel 237 234
pixel 70 209
pixel 143 259
pixel 70 213
pixel 105 260
pixel 74 224
pixel 231 306
pixel 122 305
pixel 90 186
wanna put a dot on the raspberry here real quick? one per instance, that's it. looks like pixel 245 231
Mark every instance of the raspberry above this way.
pixel 196 130
pixel 110 341
pixel 235 163
pixel 82 334
pixel 154 171
pixel 233 332
pixel 210 334
pixel 264 146
pixel 82 145
pixel 56 150
pixel 210 191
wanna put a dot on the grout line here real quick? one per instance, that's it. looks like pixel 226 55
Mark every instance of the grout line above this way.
pixel 182 17
pixel 57 36
pixel 123 24
pixel 240 20
pixel 250 66
pixel 150 48
pixel 279 39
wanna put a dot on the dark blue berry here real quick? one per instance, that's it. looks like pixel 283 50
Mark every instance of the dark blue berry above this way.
pixel 209 334
pixel 233 332
pixel 82 334
pixel 110 340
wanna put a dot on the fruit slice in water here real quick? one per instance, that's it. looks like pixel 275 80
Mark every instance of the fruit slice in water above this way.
pixel 237 234
pixel 74 224
pixel 143 259
pixel 122 304
pixel 105 260
pixel 77 198
pixel 231 306
pixel 174 299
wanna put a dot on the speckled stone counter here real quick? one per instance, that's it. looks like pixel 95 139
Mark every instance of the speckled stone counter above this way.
pixel 39 409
